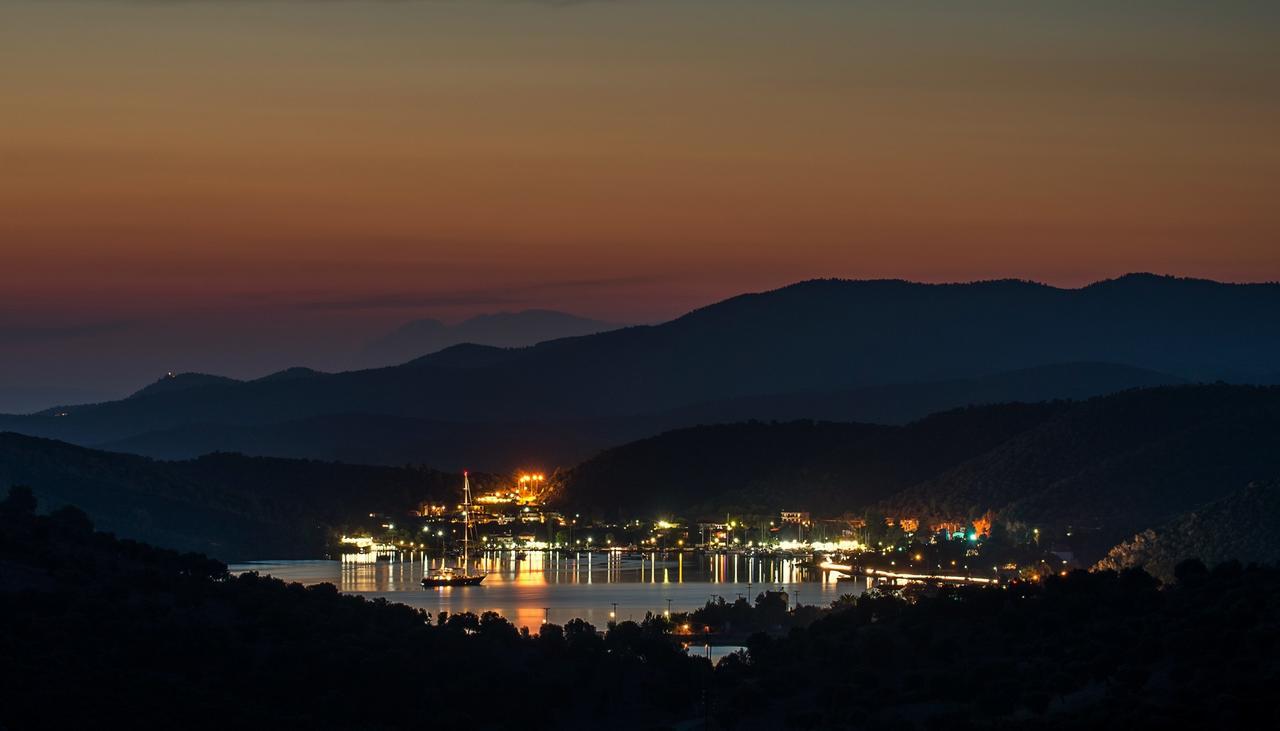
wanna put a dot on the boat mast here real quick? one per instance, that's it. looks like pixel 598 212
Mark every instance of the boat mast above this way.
pixel 466 519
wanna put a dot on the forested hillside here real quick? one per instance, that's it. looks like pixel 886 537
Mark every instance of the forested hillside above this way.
pixel 225 505
pixel 1116 464
pixel 1241 526
pixel 1104 468
pixel 147 638
pixel 824 467
pixel 97 632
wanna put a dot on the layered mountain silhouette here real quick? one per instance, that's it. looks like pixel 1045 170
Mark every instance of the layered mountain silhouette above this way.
pixel 1104 469
pixel 812 337
pixel 506 446
pixel 175 382
pixel 503 329
pixel 225 505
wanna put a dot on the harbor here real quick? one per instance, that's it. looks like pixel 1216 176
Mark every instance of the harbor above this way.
pixel 557 586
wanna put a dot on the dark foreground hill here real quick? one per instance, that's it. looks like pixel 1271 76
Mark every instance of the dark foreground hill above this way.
pixel 1085 651
pixel 813 336
pixel 225 505
pixel 1240 526
pixel 101 633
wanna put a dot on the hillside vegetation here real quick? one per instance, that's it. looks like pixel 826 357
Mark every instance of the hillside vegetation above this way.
pixel 225 505
pixel 824 467
pixel 97 632
pixel 1242 526
pixel 1116 464
pixel 1108 467
pixel 100 632
pixel 1103 469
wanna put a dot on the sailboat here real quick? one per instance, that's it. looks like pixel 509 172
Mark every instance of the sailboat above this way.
pixel 446 576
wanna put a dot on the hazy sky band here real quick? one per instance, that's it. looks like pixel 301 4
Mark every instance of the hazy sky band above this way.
pixel 198 160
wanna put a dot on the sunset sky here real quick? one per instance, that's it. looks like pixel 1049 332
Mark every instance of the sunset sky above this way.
pixel 236 186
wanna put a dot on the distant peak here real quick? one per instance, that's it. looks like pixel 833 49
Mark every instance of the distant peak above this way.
pixel 519 329
pixel 171 382
pixel 291 373
pixel 465 355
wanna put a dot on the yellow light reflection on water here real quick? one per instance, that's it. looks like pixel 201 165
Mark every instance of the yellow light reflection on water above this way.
pixel 528 587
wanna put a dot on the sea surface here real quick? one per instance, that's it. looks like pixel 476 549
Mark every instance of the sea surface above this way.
pixel 556 586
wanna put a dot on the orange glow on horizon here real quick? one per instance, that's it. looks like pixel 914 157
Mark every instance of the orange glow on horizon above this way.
pixel 291 176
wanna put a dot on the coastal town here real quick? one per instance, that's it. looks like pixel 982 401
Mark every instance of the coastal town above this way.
pixel 889 552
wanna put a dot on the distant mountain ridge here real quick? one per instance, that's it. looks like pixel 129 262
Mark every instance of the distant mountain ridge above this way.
pixel 900 403
pixel 502 329
pixel 506 446
pixel 814 336
pixel 174 382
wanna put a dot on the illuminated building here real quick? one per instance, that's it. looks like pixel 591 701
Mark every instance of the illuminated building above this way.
pixel 795 517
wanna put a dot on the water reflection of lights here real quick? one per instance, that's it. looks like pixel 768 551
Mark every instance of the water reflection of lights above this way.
pixel 537 568
pixel 598 586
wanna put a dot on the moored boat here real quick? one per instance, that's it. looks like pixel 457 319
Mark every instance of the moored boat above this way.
pixel 447 576
pixel 451 577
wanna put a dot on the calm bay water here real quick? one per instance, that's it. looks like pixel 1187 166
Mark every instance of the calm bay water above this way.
pixel 560 586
